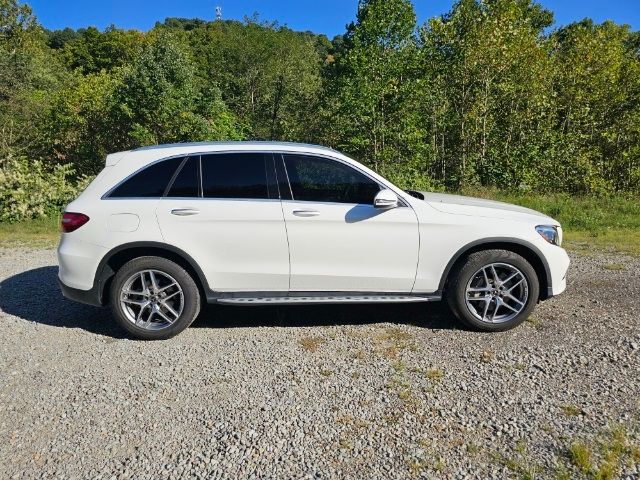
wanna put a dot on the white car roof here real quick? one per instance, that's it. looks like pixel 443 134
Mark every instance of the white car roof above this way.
pixel 155 152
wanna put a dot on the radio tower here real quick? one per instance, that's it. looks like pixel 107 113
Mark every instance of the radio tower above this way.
pixel 218 13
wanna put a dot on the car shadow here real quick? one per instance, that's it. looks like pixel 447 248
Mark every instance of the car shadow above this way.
pixel 433 316
pixel 34 296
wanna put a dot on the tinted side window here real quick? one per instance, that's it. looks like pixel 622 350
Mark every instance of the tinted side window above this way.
pixel 235 175
pixel 187 182
pixel 150 182
pixel 321 180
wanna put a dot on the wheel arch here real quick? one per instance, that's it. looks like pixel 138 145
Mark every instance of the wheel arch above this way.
pixel 525 249
pixel 118 256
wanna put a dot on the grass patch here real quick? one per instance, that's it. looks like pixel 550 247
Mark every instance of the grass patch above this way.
pixel 604 457
pixel 434 374
pixel 417 466
pixel 520 366
pixel 577 213
pixel 394 334
pixel 399 366
pixel 392 340
pixel 614 266
pixel 533 321
pixel 589 222
pixel 614 241
pixel 521 464
pixel 40 233
pixel 580 455
pixel 571 410
pixel 346 443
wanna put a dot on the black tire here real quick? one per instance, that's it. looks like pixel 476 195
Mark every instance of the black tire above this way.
pixel 190 295
pixel 461 275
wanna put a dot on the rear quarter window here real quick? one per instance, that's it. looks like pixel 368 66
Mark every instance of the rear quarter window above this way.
pixel 151 182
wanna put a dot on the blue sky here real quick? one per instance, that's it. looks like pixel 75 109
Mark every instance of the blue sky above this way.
pixel 320 16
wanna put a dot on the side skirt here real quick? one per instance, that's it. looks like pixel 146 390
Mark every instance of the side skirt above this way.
pixel 317 298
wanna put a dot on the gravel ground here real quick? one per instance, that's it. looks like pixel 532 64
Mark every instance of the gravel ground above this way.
pixel 394 391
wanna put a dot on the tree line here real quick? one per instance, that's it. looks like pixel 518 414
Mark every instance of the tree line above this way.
pixel 490 94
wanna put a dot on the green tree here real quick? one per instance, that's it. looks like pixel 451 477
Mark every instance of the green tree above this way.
pixel 597 82
pixel 160 100
pixel 493 79
pixel 28 71
pixel 80 126
pixel 270 76
pixel 372 112
pixel 92 51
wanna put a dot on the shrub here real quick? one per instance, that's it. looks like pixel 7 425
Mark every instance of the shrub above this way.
pixel 30 189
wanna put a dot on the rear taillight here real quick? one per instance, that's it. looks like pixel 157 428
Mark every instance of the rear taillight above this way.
pixel 72 221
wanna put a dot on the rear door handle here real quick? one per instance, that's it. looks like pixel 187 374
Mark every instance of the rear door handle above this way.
pixel 183 212
pixel 306 213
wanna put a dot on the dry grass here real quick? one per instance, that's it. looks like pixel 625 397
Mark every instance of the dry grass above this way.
pixel 311 344
pixel 346 443
pixel 571 410
pixel 392 340
pixel 488 356
pixel 434 374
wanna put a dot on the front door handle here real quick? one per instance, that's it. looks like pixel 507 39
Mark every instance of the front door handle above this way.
pixel 183 212
pixel 306 213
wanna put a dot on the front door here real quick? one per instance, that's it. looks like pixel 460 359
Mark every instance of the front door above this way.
pixel 223 209
pixel 338 241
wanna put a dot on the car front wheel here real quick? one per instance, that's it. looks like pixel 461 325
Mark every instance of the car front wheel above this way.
pixel 154 298
pixel 493 290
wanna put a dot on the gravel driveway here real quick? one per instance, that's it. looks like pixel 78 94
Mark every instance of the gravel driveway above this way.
pixel 321 392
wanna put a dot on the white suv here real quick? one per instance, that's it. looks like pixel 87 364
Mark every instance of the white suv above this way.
pixel 162 229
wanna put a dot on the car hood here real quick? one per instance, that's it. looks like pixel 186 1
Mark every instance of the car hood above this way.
pixel 461 205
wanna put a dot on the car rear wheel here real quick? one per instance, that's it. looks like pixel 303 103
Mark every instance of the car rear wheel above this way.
pixel 154 298
pixel 493 290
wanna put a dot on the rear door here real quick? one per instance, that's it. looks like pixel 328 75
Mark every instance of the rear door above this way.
pixel 224 210
pixel 338 241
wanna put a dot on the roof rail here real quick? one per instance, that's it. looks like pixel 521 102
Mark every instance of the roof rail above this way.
pixel 232 143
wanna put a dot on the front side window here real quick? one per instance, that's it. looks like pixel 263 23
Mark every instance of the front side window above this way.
pixel 322 180
pixel 235 175
pixel 148 183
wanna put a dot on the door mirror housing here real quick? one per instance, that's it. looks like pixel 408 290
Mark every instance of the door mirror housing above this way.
pixel 386 199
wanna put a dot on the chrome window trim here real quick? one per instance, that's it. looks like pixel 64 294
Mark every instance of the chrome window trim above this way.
pixel 106 196
pixel 212 199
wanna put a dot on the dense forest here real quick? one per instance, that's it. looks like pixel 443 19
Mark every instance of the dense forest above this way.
pixel 490 94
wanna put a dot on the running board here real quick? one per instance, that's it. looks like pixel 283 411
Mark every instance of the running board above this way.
pixel 327 299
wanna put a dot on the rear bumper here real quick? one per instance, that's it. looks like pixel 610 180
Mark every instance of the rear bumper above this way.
pixel 89 297
pixel 78 261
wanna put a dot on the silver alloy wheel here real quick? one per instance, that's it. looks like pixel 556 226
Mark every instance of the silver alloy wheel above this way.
pixel 151 299
pixel 497 293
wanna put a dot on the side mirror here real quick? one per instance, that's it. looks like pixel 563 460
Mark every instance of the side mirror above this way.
pixel 385 199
